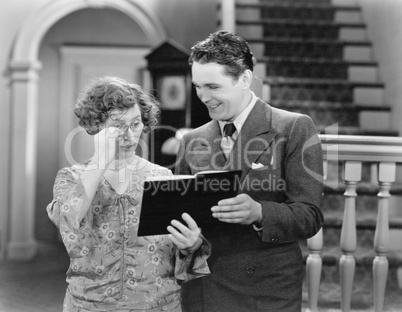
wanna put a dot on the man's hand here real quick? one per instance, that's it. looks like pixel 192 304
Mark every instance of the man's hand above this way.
pixel 186 238
pixel 240 209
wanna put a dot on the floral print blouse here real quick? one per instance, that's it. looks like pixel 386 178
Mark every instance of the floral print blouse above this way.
pixel 111 268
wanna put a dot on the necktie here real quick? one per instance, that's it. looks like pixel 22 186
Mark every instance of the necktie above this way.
pixel 227 140
pixel 229 129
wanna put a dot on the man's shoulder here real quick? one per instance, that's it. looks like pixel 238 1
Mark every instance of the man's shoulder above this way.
pixel 283 121
pixel 263 108
pixel 201 130
pixel 284 116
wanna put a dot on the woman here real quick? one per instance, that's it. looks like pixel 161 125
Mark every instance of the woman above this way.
pixel 96 207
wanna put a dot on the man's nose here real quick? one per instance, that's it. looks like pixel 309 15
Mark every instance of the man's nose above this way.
pixel 204 95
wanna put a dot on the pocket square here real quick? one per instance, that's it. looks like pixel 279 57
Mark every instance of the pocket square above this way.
pixel 257 166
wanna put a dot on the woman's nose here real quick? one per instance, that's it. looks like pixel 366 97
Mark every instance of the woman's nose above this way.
pixel 129 135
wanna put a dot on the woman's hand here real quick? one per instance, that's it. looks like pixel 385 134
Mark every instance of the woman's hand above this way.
pixel 105 146
pixel 187 238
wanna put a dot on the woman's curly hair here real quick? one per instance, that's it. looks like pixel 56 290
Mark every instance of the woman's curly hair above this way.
pixel 105 94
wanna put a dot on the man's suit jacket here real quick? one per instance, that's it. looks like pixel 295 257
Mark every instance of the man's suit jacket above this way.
pixel 280 156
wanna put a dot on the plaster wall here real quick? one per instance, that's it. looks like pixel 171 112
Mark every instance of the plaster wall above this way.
pixel 384 26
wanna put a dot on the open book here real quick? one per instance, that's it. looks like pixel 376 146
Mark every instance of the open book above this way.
pixel 166 198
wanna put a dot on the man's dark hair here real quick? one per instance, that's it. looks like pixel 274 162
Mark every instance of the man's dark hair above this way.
pixel 224 48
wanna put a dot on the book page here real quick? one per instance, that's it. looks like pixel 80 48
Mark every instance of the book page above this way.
pixel 170 177
pixel 211 171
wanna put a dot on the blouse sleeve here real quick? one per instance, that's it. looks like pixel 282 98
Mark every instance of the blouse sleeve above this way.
pixel 194 265
pixel 69 197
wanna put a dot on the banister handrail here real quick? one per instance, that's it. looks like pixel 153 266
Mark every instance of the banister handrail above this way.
pixel 362 148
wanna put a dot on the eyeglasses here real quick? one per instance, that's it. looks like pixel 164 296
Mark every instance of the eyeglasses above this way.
pixel 135 126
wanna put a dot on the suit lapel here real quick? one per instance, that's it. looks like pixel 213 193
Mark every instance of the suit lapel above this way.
pixel 254 139
pixel 212 152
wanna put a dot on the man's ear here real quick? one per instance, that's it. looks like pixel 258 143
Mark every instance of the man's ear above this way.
pixel 246 79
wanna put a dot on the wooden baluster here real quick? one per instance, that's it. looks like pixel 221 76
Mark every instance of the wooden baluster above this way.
pixel 314 264
pixel 386 175
pixel 351 174
pixel 314 267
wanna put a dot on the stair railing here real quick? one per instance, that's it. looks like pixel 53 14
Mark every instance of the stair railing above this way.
pixel 353 151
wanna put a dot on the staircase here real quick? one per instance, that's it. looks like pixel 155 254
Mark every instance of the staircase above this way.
pixel 315 57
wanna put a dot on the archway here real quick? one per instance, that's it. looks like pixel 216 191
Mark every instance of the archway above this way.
pixel 24 74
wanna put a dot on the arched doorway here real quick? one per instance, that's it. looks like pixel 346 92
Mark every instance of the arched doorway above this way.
pixel 24 80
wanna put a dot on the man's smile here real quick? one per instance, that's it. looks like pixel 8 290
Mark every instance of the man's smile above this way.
pixel 214 106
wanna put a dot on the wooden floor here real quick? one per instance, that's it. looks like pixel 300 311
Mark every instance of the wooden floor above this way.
pixel 35 286
pixel 39 285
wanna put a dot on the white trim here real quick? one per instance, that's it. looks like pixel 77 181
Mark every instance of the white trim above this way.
pixel 39 22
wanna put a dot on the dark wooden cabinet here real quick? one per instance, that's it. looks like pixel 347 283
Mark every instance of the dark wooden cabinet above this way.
pixel 172 86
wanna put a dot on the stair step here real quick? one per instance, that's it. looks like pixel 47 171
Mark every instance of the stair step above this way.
pixel 341 3
pixel 369 95
pixel 350 33
pixel 300 28
pixel 354 52
pixel 304 29
pixel 341 113
pixel 320 82
pixel 297 2
pixel 367 72
pixel 327 90
pixel 308 67
pixel 296 22
pixel 352 16
pixel 375 120
pixel 313 48
pixel 304 10
pixel 357 131
pixel 322 113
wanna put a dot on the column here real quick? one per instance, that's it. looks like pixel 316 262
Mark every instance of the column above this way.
pixel 24 99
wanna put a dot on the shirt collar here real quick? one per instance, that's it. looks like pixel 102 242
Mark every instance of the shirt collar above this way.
pixel 241 119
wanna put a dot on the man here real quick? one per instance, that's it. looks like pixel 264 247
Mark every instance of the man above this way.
pixel 256 260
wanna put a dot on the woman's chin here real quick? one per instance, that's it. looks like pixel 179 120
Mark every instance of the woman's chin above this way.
pixel 127 150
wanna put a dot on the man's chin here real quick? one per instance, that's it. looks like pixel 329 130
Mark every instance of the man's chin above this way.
pixel 214 116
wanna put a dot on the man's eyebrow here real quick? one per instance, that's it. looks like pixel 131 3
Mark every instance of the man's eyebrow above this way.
pixel 207 84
